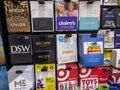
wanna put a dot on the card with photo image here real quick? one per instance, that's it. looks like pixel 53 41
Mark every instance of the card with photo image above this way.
pixel 66 15
pixel 17 15
pixel 42 16
pixel 89 15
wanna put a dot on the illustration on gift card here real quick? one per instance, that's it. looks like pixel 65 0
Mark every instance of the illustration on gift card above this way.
pixel 93 47
pixel 42 16
pixel 66 15
pixel 66 48
pixel 17 15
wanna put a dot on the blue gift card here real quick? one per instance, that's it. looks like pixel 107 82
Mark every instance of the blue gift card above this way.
pixel 88 23
pixel 117 39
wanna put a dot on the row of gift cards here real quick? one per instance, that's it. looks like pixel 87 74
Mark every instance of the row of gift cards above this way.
pixel 67 15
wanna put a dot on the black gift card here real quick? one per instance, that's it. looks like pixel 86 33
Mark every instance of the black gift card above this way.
pixel 108 17
pixel 44 48
pixel 118 17
pixel 20 49
pixel 42 16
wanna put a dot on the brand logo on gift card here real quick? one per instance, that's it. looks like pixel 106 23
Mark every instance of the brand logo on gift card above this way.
pixel 18 24
pixel 21 83
pixel 66 23
pixel 20 49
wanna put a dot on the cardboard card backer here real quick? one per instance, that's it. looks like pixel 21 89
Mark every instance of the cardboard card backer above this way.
pixel 108 17
pixel 107 57
pixel 67 76
pixel 17 15
pixel 91 49
pixel 42 16
pixel 21 77
pixel 109 2
pixel 117 38
pixel 2 54
pixel 89 15
pixel 45 77
pixel 44 48
pixel 108 38
pixel 66 15
pixel 66 48
pixel 20 49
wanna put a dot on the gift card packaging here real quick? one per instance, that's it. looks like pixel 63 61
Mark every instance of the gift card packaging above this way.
pixel 67 76
pixel 109 2
pixel 114 87
pixel 89 15
pixel 115 57
pixel 66 15
pixel 117 38
pixel 21 77
pixel 89 79
pixel 66 48
pixel 108 38
pixel 91 49
pixel 42 17
pixel 45 77
pixel 3 78
pixel 103 87
pixel 2 54
pixel 17 15
pixel 107 57
pixel 44 48
pixel 108 17
pixel 20 49
pixel 115 76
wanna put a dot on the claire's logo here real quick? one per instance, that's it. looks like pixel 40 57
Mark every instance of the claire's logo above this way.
pixel 67 23
pixel 20 49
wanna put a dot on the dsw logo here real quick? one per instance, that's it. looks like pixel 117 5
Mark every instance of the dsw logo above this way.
pixel 20 49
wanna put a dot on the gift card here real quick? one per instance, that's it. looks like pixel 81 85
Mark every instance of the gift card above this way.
pixel 66 48
pixel 44 48
pixel 108 17
pixel 42 17
pixel 2 54
pixel 117 38
pixel 45 77
pixel 66 15
pixel 108 38
pixel 91 49
pixel 89 15
pixel 17 15
pixel 20 49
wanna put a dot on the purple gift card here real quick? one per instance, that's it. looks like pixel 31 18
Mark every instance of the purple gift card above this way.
pixel 66 23
pixel 117 39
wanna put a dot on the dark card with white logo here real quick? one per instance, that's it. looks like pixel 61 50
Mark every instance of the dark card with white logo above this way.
pixel 20 49
pixel 44 48
pixel 108 17
pixel 42 17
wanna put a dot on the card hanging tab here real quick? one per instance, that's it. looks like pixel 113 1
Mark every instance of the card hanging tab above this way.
pixel 41 1
pixel 19 72
pixel 68 68
pixel 15 2
pixel 109 9
pixel 94 35
pixel 68 35
pixel 67 0
pixel 90 1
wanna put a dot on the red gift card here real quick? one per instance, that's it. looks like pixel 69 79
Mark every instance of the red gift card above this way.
pixel 91 77
pixel 67 77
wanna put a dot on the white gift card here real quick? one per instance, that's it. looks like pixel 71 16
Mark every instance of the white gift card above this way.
pixel 42 16
pixel 89 15
pixel 108 38
pixel 66 48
